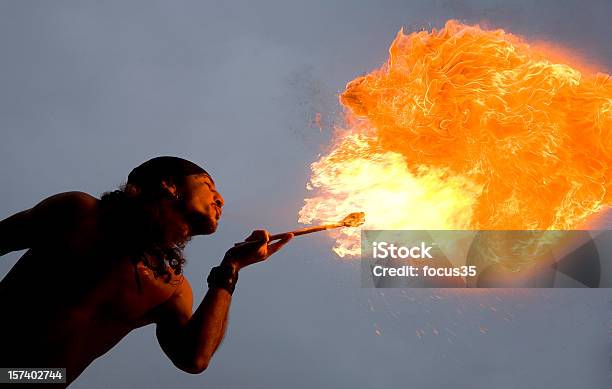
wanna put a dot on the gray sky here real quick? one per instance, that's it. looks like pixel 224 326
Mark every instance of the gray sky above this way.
pixel 89 89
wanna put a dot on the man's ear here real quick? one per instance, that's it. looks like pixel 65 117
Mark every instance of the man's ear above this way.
pixel 170 188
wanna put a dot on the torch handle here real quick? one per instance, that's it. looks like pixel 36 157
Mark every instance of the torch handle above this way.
pixel 303 231
pixel 308 230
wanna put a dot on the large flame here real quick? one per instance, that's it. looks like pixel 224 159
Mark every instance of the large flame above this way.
pixel 465 128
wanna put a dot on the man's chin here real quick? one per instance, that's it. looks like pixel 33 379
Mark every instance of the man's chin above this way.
pixel 204 229
pixel 211 230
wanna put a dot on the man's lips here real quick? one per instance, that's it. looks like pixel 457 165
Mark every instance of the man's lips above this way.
pixel 219 211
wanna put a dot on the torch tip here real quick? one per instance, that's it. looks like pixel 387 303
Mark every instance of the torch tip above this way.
pixel 354 219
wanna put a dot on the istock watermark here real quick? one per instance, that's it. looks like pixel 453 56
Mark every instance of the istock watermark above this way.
pixel 389 250
pixel 486 259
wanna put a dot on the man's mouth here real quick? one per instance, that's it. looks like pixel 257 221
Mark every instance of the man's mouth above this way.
pixel 219 212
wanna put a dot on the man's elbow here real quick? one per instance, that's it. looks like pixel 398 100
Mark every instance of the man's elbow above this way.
pixel 196 366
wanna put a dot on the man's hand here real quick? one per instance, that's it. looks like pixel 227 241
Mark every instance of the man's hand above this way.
pixel 255 248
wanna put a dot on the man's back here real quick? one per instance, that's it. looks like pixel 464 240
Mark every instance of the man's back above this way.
pixel 72 296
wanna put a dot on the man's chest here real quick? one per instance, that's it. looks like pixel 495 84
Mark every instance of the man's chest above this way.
pixel 131 293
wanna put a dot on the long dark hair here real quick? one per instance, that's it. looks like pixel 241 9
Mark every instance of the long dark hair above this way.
pixel 147 228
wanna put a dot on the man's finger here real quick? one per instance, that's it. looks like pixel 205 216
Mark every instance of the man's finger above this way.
pixel 274 247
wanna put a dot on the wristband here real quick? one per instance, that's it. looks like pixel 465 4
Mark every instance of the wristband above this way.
pixel 223 277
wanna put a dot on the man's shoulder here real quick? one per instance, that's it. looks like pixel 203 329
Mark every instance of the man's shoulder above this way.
pixel 75 201
pixel 65 210
pixel 180 304
pixel 67 202
pixel 183 292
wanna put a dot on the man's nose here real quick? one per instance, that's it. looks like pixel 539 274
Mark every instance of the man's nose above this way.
pixel 219 200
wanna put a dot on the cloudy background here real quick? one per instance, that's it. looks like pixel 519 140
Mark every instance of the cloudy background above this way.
pixel 90 89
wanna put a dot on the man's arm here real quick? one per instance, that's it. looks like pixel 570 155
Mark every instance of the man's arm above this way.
pixel 16 232
pixel 191 340
pixel 24 229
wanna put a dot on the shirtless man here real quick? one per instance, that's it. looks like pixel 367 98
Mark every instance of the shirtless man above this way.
pixel 96 269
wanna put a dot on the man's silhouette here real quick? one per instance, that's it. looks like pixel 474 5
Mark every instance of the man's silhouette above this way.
pixel 96 269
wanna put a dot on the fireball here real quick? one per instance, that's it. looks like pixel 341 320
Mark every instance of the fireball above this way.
pixel 467 128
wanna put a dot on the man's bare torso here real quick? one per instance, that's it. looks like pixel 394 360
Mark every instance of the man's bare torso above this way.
pixel 70 299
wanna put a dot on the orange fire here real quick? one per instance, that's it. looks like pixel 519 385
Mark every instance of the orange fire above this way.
pixel 467 128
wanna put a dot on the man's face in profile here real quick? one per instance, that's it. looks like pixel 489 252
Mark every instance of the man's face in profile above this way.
pixel 201 203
